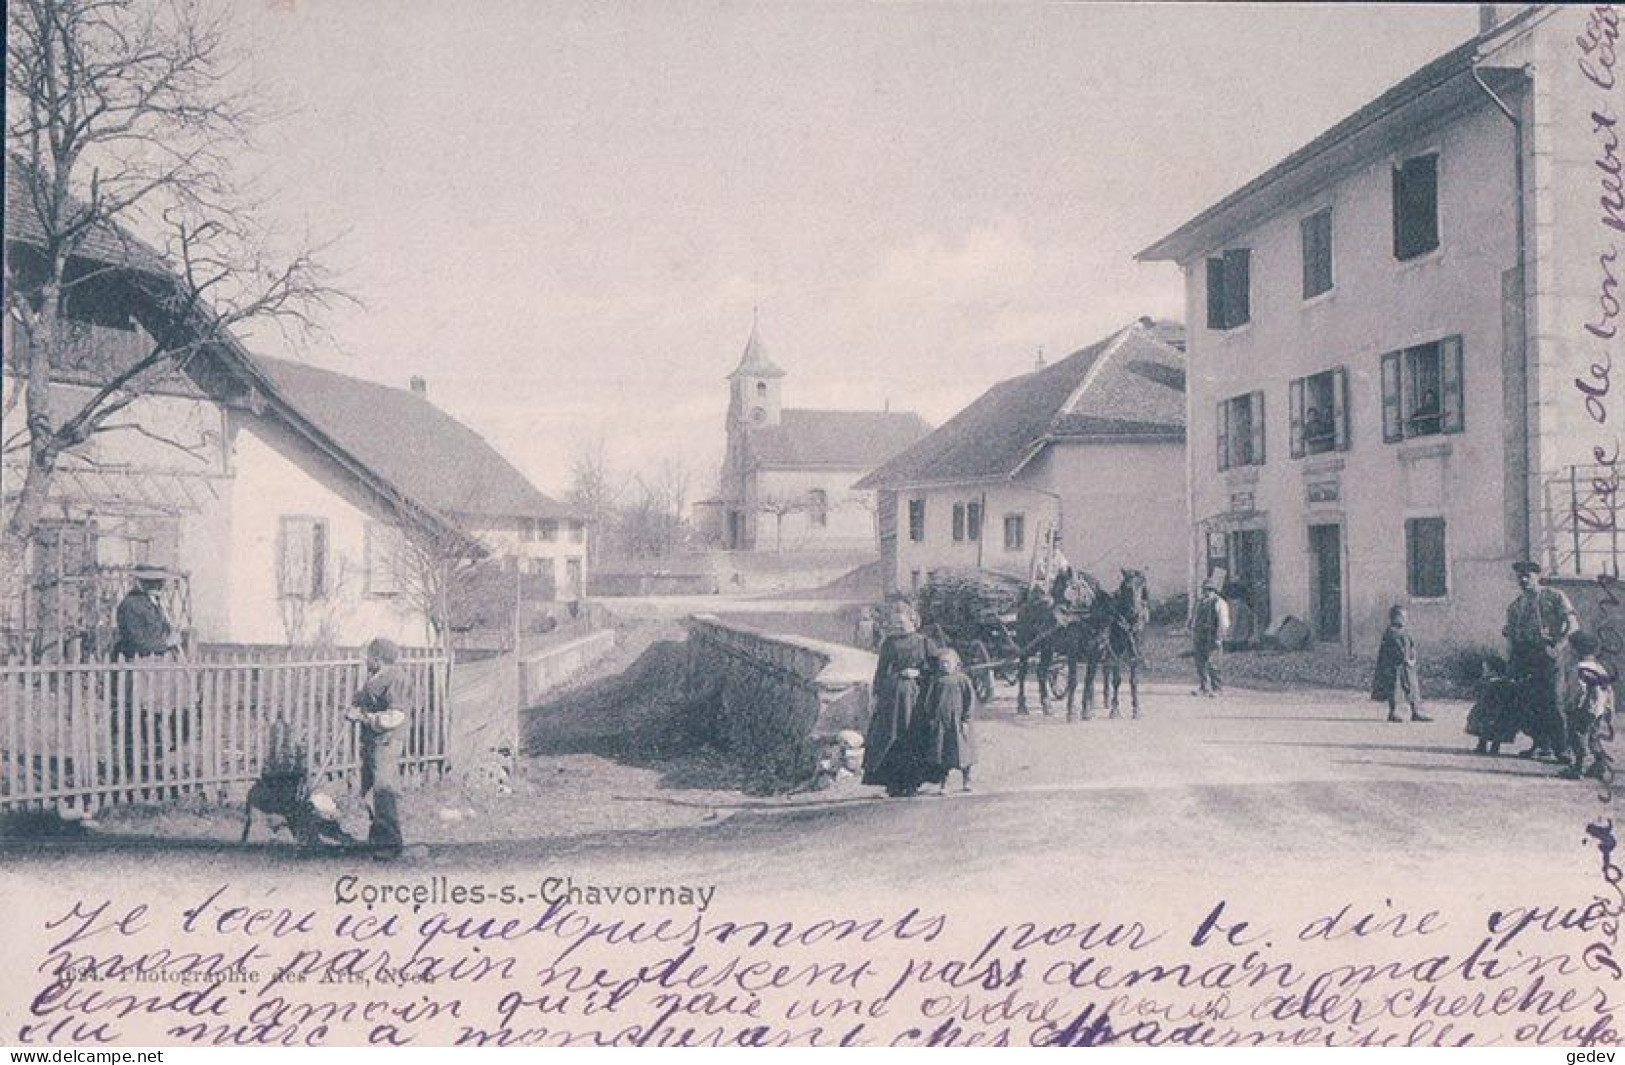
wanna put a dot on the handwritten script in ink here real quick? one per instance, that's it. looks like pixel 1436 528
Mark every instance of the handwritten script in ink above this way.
pixel 221 968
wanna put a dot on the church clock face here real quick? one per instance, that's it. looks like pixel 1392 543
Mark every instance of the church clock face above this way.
pixel 758 415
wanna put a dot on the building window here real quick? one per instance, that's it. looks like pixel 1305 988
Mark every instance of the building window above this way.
pixel 1422 391
pixel 386 558
pixel 916 520
pixel 1227 287
pixel 1241 431
pixel 572 577
pixel 1416 207
pixel 973 522
pixel 914 580
pixel 578 532
pixel 1320 413
pixel 302 558
pixel 761 389
pixel 959 522
pixel 818 507
pixel 1424 558
pixel 1015 532
pixel 1317 253
pixel 527 530
pixel 549 530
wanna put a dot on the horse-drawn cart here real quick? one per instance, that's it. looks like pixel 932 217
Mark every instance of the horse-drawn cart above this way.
pixel 975 613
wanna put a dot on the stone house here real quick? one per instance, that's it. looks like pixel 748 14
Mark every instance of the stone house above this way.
pixel 262 488
pixel 1392 341
pixel 1086 454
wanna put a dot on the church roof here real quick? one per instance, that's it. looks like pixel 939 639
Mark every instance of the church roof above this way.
pixel 1129 387
pixel 754 362
pixel 840 439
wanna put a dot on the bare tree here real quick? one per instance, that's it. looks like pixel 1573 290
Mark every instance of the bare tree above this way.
pixel 596 493
pixel 122 117
pixel 781 507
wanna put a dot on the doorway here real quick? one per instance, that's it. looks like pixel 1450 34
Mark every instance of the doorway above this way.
pixel 1326 581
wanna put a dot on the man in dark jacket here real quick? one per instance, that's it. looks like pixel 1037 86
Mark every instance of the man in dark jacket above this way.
pixel 143 629
pixel 143 632
pixel 1538 623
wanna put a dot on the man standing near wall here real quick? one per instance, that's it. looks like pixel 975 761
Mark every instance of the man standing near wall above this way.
pixel 1208 628
pixel 1538 621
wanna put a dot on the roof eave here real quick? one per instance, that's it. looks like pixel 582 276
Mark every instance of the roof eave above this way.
pixel 1322 163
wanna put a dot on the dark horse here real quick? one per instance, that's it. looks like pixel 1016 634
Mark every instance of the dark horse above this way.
pixel 1102 630
pixel 1131 613
pixel 1036 626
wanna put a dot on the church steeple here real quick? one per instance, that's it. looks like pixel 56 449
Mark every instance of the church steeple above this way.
pixel 754 393
pixel 754 362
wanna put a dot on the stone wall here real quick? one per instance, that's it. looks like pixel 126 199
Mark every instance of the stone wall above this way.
pixel 775 702
pixel 488 695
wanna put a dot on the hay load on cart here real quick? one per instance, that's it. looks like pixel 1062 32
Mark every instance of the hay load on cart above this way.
pixel 974 612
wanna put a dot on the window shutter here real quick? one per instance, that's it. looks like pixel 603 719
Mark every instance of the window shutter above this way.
pixel 1215 294
pixel 1237 286
pixel 1224 435
pixel 1399 213
pixel 1256 405
pixel 1424 181
pixel 1392 428
pixel 1295 417
pixel 1340 409
pixel 1452 418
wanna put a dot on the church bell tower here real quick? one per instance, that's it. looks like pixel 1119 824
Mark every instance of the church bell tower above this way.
pixel 754 399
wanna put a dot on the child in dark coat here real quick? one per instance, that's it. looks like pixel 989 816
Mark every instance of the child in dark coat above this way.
pixel 1396 676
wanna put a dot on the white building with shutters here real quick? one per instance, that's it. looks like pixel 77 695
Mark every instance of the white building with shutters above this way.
pixel 1388 347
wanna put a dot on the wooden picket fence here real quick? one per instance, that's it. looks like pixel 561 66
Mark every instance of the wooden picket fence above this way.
pixel 80 735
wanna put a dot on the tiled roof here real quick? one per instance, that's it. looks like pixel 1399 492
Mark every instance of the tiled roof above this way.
pixel 1130 386
pixel 431 456
pixel 850 439
pixel 1454 63
pixel 103 243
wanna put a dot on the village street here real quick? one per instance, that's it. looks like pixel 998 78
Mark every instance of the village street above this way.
pixel 1306 784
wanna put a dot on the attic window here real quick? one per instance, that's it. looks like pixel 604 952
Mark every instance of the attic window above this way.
pixel 761 388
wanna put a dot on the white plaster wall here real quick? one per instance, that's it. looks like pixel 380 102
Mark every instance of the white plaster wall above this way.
pixel 940 550
pixel 1377 305
pixel 850 518
pixel 276 476
pixel 1123 506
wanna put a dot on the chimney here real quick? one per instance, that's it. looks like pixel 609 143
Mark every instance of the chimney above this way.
pixel 1489 17
pixel 420 387
pixel 888 405
pixel 1038 363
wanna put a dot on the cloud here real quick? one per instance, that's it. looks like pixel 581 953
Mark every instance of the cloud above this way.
pixel 986 263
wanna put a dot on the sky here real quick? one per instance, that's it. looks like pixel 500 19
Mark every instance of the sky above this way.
pixel 562 215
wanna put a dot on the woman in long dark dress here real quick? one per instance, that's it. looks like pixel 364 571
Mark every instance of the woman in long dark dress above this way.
pixel 891 753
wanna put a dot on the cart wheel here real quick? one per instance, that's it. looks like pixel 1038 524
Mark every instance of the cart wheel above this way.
pixel 981 679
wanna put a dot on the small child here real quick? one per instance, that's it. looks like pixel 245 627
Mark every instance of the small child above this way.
pixel 1591 713
pixel 1396 675
pixel 951 704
